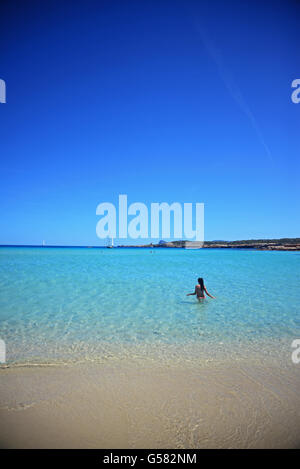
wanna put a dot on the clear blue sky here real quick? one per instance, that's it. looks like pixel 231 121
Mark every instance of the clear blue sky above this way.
pixel 184 101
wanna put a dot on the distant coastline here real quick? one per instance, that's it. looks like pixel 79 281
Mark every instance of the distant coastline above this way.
pixel 282 244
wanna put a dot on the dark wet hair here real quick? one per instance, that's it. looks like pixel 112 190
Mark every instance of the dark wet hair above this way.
pixel 201 283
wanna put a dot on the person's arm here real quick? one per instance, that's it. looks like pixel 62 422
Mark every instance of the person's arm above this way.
pixel 195 292
pixel 208 293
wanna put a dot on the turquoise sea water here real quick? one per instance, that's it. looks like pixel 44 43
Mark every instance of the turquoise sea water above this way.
pixel 76 303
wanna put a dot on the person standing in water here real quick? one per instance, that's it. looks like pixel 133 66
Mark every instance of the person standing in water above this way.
pixel 199 290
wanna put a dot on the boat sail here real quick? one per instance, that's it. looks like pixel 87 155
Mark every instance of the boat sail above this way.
pixel 110 246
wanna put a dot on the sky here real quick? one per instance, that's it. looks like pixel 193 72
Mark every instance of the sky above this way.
pixel 165 101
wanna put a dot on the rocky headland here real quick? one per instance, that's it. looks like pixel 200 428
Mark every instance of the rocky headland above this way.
pixel 283 244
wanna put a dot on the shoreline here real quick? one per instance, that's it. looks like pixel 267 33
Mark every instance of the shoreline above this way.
pixel 187 354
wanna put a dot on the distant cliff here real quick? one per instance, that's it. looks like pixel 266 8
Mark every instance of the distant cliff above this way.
pixel 283 244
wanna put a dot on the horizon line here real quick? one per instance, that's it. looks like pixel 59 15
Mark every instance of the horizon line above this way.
pixel 84 246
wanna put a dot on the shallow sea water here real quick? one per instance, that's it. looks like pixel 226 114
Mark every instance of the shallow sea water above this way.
pixel 62 304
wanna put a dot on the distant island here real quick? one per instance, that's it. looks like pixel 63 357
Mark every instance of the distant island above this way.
pixel 283 244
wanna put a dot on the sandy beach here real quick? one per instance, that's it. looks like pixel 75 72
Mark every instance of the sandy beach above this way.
pixel 86 368
pixel 123 405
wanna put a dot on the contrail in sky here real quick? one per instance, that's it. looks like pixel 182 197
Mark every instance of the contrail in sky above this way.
pixel 233 88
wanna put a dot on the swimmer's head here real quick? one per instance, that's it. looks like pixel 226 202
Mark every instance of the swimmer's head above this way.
pixel 201 283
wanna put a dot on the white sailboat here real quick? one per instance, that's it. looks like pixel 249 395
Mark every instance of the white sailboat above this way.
pixel 112 244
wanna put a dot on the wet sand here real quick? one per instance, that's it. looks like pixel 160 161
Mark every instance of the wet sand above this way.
pixel 125 405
